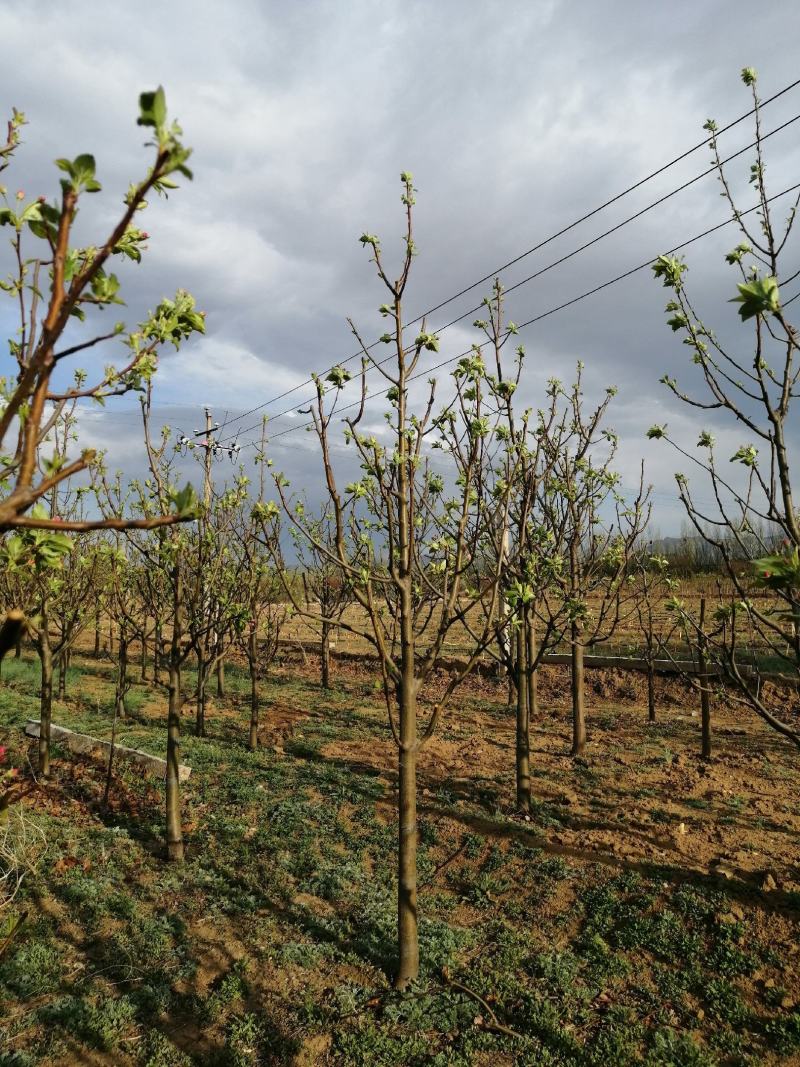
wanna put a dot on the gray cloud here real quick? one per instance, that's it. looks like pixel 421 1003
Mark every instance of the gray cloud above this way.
pixel 514 118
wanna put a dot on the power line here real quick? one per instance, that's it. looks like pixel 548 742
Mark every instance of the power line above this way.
pixel 542 270
pixel 553 310
pixel 560 233
pixel 556 263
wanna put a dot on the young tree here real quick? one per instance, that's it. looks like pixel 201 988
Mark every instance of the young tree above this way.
pixel 211 590
pixel 32 404
pixel 521 461
pixel 127 586
pixel 752 508
pixel 165 552
pixel 38 555
pixel 77 574
pixel 262 609
pixel 324 584
pixel 22 844
pixel 410 550
pixel 66 282
pixel 653 585
pixel 591 532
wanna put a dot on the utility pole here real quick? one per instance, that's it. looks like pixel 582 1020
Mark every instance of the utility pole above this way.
pixel 210 648
pixel 208 445
pixel 212 448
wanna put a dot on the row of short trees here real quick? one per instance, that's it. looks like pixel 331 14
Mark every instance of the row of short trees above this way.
pixel 524 536
pixel 469 515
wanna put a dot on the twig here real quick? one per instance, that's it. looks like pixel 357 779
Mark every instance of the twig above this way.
pixel 495 1023
pixel 443 864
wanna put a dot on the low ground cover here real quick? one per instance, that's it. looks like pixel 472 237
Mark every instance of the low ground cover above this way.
pixel 647 912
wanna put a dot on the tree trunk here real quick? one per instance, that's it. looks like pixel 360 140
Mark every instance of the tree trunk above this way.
pixel 46 699
pixel 221 677
pixel 97 632
pixel 122 678
pixel 650 656
pixel 200 720
pixel 252 661
pixel 533 675
pixel 407 921
pixel 174 828
pixel 705 696
pixel 523 749
pixel 143 656
pixel 119 702
pixel 157 654
pixel 326 655
pixel 175 849
pixel 578 708
pixel 18 648
pixel 62 675
pixel 200 717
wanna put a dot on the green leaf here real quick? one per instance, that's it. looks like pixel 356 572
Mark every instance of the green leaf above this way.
pixel 747 455
pixel 44 223
pixel 738 253
pixel 129 244
pixel 263 511
pixel 339 377
pixel 427 340
pixel 174 320
pixel 105 288
pixel 759 297
pixel 780 571
pixel 84 165
pixel 671 270
pixel 153 109
pixel 185 502
pixel 32 213
pixel 81 172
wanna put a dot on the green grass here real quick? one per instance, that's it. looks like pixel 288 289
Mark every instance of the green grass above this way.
pixel 278 931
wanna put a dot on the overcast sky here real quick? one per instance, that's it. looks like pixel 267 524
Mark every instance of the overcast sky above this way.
pixel 514 117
